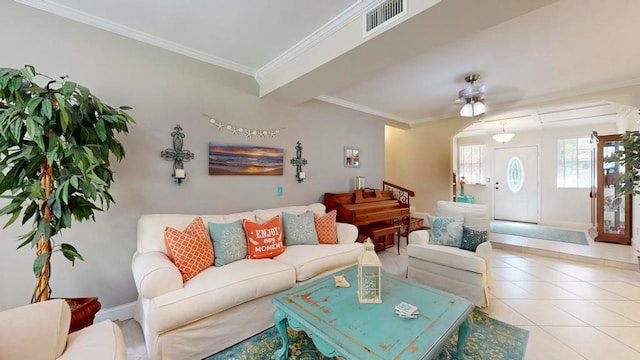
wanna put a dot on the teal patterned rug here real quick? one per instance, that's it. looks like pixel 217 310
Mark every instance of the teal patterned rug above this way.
pixel 539 232
pixel 491 339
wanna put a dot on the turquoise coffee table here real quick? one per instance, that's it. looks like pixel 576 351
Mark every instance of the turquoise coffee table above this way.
pixel 340 326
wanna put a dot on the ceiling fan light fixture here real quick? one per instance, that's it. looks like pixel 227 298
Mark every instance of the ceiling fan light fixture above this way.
pixel 479 108
pixel 467 110
pixel 473 95
pixel 503 137
pixel 472 108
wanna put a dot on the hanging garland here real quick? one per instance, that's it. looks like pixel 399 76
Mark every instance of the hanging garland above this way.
pixel 243 131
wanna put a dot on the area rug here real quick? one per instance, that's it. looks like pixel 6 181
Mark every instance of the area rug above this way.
pixel 539 232
pixel 491 339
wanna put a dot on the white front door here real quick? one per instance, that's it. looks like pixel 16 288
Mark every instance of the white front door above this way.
pixel 515 185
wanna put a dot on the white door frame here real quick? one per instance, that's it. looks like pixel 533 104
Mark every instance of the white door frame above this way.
pixel 493 191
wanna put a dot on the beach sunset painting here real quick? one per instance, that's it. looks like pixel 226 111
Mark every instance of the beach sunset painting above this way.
pixel 245 160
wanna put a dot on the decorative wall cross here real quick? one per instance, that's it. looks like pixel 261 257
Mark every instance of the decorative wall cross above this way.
pixel 177 154
pixel 299 162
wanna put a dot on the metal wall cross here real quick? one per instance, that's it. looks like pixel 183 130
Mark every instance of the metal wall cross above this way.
pixel 177 154
pixel 299 162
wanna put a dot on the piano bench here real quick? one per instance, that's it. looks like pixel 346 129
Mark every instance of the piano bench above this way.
pixel 383 235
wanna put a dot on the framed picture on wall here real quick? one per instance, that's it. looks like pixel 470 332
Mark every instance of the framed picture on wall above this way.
pixel 245 160
pixel 351 156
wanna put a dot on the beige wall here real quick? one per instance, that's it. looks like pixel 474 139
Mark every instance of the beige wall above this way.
pixel 420 159
pixel 394 162
pixel 165 89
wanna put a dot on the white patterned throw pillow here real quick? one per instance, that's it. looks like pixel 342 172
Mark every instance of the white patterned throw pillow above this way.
pixel 229 242
pixel 299 229
pixel 446 230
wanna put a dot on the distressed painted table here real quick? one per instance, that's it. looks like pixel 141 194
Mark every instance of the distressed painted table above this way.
pixel 340 326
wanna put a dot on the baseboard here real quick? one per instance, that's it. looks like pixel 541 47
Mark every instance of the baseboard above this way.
pixel 120 312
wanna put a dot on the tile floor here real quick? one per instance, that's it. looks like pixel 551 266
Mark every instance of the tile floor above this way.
pixel 572 309
pixel 599 253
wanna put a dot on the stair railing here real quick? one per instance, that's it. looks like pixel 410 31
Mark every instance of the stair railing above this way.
pixel 403 195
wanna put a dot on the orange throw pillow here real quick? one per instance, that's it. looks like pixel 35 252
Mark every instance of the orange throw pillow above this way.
pixel 264 240
pixel 191 249
pixel 326 227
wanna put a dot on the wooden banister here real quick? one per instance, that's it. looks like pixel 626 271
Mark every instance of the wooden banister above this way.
pixel 409 192
pixel 402 194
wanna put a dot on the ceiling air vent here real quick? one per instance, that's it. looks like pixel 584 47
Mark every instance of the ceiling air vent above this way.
pixel 384 13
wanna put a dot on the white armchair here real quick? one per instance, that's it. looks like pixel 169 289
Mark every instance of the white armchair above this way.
pixel 461 272
pixel 40 331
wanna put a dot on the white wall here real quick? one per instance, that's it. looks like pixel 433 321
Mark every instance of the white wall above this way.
pixel 165 89
pixel 558 206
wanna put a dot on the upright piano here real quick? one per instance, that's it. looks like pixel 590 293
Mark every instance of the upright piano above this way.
pixel 373 211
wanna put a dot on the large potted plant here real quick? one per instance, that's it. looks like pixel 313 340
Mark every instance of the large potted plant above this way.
pixel 56 143
pixel 629 158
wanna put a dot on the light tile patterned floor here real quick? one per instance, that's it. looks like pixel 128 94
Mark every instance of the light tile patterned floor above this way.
pixel 572 309
pixel 598 253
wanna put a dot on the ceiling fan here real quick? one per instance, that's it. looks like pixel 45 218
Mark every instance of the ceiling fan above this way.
pixel 472 96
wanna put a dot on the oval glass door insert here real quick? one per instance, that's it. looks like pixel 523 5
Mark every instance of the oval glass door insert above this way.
pixel 515 174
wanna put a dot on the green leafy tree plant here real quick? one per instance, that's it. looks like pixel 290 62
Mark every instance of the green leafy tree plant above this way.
pixel 629 158
pixel 56 142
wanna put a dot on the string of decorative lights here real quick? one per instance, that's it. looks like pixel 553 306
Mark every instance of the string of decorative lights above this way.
pixel 243 131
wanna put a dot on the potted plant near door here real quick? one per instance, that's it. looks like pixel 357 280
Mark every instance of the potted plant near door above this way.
pixel 56 143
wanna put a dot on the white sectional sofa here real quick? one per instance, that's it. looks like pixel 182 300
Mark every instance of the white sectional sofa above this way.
pixel 222 305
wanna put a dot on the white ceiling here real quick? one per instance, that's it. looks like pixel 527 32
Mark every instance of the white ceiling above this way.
pixel 525 51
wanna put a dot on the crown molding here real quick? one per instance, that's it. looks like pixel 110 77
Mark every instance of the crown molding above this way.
pixel 328 29
pixel 364 109
pixel 307 43
pixel 98 22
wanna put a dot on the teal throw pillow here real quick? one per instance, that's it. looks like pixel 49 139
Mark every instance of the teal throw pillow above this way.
pixel 446 230
pixel 299 229
pixel 229 242
pixel 472 238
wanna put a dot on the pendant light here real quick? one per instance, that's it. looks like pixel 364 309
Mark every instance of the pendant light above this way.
pixel 504 136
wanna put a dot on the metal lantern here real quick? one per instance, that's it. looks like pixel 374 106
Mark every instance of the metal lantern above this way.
pixel 369 275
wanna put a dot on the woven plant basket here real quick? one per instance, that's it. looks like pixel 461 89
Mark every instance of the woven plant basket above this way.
pixel 83 311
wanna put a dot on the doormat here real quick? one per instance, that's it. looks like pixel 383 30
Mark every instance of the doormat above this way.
pixel 539 232
pixel 490 339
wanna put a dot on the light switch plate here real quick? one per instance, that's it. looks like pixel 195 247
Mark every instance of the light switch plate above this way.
pixel 279 191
